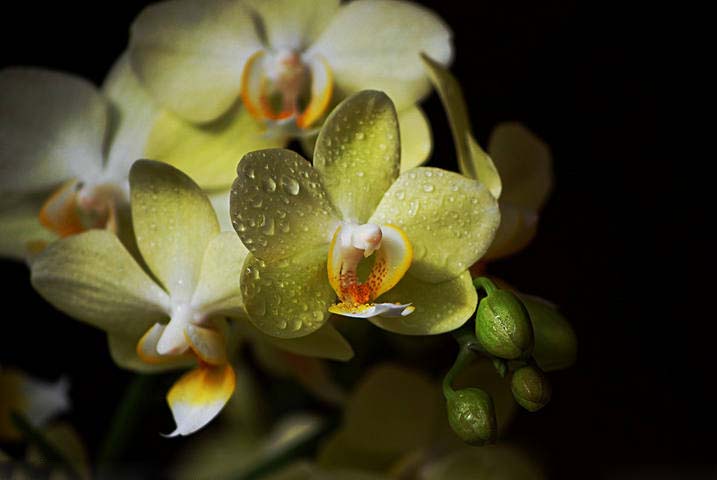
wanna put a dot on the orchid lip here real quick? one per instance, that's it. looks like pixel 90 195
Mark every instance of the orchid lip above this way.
pixel 350 246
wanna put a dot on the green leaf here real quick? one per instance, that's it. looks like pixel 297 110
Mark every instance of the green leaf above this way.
pixel 173 221
pixel 472 160
pixel 358 153
pixel 93 278
pixel 439 307
pixel 449 219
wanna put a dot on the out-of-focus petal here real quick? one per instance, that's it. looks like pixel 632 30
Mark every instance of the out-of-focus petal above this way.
pixel 416 139
pixel 132 114
pixel 358 153
pixel 517 228
pixel 325 343
pixel 375 44
pixel 220 202
pixel 293 24
pixel 190 55
pixel 52 128
pixel 525 165
pixel 209 153
pixel 19 226
pixel 174 222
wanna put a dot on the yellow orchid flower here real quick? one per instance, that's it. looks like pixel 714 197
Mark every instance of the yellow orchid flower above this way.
pixel 309 230
pixel 517 167
pixel 65 151
pixel 274 68
pixel 171 315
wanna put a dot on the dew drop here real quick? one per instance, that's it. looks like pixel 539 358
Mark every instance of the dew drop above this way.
pixel 289 185
pixel 427 187
pixel 269 184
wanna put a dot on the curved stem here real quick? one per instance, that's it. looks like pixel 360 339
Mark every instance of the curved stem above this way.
pixel 484 283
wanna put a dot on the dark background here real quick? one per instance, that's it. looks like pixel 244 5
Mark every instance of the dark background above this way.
pixel 614 248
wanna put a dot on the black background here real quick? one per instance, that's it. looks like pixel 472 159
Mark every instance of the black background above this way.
pixel 614 249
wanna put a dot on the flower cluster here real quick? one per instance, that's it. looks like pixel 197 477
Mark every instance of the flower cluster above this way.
pixel 164 209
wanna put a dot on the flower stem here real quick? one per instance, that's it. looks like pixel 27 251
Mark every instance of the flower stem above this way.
pixel 53 456
pixel 123 423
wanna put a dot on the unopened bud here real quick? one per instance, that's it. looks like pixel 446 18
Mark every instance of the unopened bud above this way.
pixel 472 416
pixel 530 388
pixel 503 325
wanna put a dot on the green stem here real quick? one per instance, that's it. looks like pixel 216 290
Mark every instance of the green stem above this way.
pixel 466 355
pixel 53 456
pixel 123 422
pixel 484 283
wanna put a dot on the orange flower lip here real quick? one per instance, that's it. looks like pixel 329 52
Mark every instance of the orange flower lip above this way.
pixel 283 86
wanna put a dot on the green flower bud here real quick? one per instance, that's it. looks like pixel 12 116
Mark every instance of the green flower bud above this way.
pixel 472 416
pixel 503 325
pixel 530 388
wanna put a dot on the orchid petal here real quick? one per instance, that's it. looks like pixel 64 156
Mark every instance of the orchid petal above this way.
pixel 525 165
pixel 93 278
pixel 209 153
pixel 173 221
pixel 288 298
pixel 293 24
pixel 416 139
pixel 375 44
pixel 190 55
pixel 517 229
pixel 438 307
pixel 199 396
pixel 473 162
pixel 381 413
pixel 20 227
pixel 133 113
pixel 52 128
pixel 429 203
pixel 358 153
pixel 220 202
pixel 279 206
pixel 218 289
pixel 124 352
pixel 326 342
